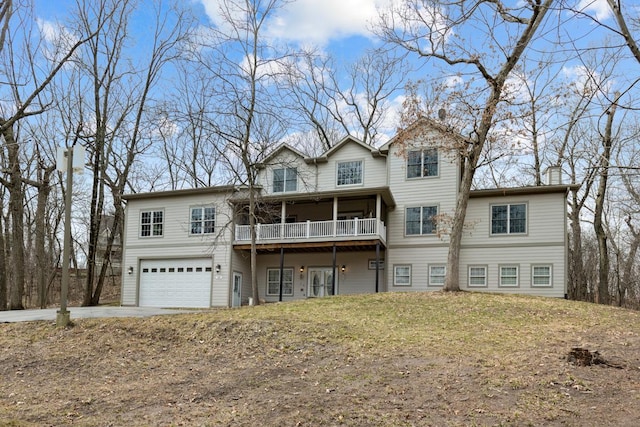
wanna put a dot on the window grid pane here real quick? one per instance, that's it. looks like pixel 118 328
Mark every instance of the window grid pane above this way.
pixel 509 276
pixel 414 164
pixel 499 219
pixel 428 222
pixel 151 223
pixel 350 173
pixel 477 276
pixel 430 166
pixel 278 180
pixel 291 179
pixel 437 274
pixel 402 275
pixel 413 221
pixel 273 281
pixel 203 220
pixel 517 218
pixel 542 275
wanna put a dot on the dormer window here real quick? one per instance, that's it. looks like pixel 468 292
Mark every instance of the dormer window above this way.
pixel 350 173
pixel 422 163
pixel 285 179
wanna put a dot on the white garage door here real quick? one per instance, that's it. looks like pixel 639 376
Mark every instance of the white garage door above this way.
pixel 175 283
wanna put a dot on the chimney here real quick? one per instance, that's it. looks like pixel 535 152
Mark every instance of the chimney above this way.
pixel 553 175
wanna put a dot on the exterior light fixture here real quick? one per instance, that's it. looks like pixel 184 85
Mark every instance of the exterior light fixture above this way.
pixel 130 270
pixel 218 268
pixel 343 268
pixel 302 269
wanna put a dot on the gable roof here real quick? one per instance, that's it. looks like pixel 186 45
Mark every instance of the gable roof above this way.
pixel 422 122
pixel 324 157
pixel 280 149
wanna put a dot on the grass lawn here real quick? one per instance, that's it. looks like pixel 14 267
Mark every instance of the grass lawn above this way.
pixel 393 359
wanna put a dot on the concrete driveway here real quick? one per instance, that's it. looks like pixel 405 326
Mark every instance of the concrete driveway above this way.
pixel 49 314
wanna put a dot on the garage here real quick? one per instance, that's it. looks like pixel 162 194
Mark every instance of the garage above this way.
pixel 175 283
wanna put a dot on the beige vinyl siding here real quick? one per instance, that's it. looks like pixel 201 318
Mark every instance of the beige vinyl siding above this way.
pixel 356 279
pixel 429 191
pixel 545 220
pixel 420 258
pixel 373 168
pixel 524 257
pixel 176 242
pixel 241 263
pixel 286 159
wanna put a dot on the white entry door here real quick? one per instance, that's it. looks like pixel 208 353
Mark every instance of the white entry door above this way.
pixel 321 282
pixel 236 300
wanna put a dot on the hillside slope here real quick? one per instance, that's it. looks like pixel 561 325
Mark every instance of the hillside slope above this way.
pixel 388 359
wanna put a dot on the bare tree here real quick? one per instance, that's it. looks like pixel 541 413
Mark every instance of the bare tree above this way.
pixel 356 105
pixel 25 77
pixel 115 124
pixel 434 31
pixel 245 119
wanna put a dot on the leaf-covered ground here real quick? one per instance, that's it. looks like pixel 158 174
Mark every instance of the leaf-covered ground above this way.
pixel 378 360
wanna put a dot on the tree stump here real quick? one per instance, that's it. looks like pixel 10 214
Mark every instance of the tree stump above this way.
pixel 583 357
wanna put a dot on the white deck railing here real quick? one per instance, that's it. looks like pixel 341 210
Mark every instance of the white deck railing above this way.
pixel 314 230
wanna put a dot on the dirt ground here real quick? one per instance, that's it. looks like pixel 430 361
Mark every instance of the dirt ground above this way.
pixel 220 368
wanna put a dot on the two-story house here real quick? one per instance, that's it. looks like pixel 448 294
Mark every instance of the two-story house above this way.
pixel 357 219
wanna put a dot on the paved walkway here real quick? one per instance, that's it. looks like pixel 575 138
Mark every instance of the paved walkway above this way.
pixel 49 314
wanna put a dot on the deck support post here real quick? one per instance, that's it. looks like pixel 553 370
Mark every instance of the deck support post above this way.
pixel 281 272
pixel 333 273
pixel 377 265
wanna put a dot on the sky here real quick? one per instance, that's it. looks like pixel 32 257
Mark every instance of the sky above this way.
pixel 340 27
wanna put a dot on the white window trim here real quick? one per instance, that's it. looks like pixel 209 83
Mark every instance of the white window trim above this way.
pixel 395 275
pixel 151 235
pixel 500 275
pixel 284 183
pixel 434 234
pixel 215 219
pixel 443 277
pixel 486 276
pixel 284 294
pixel 533 283
pixel 359 184
pixel 422 176
pixel 509 233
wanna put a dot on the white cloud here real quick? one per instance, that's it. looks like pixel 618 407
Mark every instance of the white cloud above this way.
pixel 315 22
pixel 59 41
pixel 586 81
pixel 599 8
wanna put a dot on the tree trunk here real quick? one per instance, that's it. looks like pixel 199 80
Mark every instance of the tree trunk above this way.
pixel 3 265
pixel 254 251
pixel 496 83
pixel 577 279
pixel 601 235
pixel 16 212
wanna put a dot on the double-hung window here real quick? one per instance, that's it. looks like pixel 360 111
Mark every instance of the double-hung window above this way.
pixel 509 275
pixel 401 275
pixel 509 219
pixel 422 163
pixel 203 220
pixel 541 275
pixel 285 179
pixel 437 274
pixel 477 276
pixel 151 223
pixel 420 220
pixel 273 281
pixel 350 173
